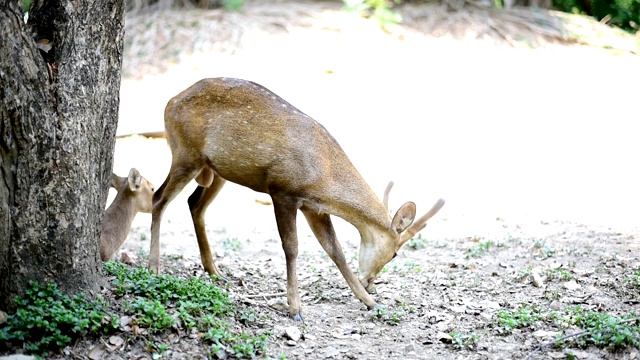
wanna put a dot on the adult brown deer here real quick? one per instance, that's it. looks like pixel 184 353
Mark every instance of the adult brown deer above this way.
pixel 135 194
pixel 229 129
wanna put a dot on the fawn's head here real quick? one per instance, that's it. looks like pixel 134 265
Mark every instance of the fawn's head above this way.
pixel 136 187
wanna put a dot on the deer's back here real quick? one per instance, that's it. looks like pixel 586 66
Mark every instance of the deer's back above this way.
pixel 252 137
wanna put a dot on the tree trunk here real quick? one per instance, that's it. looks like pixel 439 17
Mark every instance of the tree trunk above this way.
pixel 59 85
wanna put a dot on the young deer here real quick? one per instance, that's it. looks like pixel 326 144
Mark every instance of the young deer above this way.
pixel 135 194
pixel 229 129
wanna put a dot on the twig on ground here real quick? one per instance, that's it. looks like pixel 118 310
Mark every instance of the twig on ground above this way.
pixel 282 293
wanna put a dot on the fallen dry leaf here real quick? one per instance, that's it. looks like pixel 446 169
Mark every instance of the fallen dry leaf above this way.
pixel 128 258
pixel 571 285
pixel 96 352
pixel 124 321
pixel 116 340
pixel 537 279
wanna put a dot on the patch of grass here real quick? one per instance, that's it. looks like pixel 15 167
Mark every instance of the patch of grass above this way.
pixel 149 314
pixel 402 268
pixel 247 316
pixel 603 330
pixel 232 244
pixel 378 9
pixel 479 249
pixel 48 320
pixel 596 329
pixel 389 317
pixel 194 295
pixel 417 243
pixel 544 249
pixel 409 266
pixel 634 279
pixel 163 301
pixel 406 307
pixel 506 320
pixel 559 274
pixel 233 5
pixel 225 342
pixel 523 273
pixel 463 341
pixel 552 294
pixel 157 348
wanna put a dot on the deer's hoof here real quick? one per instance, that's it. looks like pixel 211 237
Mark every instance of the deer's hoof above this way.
pixel 375 306
pixel 297 317
pixel 371 289
pixel 221 277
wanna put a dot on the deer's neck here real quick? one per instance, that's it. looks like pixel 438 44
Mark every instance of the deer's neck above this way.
pixel 360 206
pixel 116 224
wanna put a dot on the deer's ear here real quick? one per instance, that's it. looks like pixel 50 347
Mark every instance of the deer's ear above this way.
pixel 134 179
pixel 403 217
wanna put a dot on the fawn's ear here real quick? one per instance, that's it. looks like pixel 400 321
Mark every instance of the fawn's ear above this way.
pixel 116 181
pixel 403 217
pixel 134 179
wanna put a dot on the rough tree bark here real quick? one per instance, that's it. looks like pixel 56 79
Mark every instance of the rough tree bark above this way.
pixel 58 117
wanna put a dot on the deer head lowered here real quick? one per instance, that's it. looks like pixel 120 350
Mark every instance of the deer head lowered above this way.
pixel 230 129
pixel 135 194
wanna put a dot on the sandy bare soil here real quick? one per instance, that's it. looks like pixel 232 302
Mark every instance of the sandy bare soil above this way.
pixel 535 150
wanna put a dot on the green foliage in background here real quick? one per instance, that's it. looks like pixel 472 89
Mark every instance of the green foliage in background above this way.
pixel 622 13
pixel 26 4
pixel 233 5
pixel 378 9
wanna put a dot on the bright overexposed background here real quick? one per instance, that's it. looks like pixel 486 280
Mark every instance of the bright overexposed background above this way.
pixel 540 134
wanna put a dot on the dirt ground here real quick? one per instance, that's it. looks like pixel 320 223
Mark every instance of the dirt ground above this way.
pixel 534 148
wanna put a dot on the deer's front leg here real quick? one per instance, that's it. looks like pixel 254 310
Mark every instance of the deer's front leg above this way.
pixel 159 204
pixel 198 203
pixel 285 211
pixel 323 230
pixel 161 198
